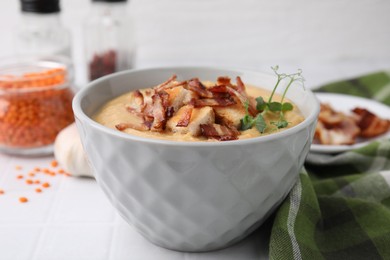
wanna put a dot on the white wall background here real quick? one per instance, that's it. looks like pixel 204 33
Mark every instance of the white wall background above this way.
pixel 314 35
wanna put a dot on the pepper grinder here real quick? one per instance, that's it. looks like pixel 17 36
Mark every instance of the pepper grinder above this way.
pixel 109 38
pixel 40 31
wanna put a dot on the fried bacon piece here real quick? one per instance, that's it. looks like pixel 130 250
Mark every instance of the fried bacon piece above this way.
pixel 342 134
pixel 140 127
pixel 220 92
pixel 199 116
pixel 196 86
pixel 148 102
pixel 330 117
pixel 160 105
pixel 251 101
pixel 214 102
pixel 219 132
pixel 185 117
pixel 243 99
pixel 218 89
pixel 370 124
pixel 223 81
pixel 240 85
pixel 173 85
pixel 166 83
pixel 136 102
pixel 237 94
pixel 335 128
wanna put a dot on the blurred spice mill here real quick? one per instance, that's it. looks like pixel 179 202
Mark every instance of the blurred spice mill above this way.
pixel 109 38
pixel 35 103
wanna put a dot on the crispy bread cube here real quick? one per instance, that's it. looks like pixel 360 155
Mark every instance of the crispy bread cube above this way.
pixel 230 115
pixel 179 96
pixel 204 115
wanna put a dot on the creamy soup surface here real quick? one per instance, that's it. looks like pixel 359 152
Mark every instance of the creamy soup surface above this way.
pixel 116 112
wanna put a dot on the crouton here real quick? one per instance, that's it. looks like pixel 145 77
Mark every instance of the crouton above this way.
pixel 179 97
pixel 230 115
pixel 204 115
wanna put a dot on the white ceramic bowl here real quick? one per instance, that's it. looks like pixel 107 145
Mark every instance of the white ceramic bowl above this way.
pixel 192 196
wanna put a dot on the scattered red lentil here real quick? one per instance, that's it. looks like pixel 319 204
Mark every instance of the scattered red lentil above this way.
pixel 18 167
pixel 1 191
pixel 54 163
pixel 23 199
pixel 34 172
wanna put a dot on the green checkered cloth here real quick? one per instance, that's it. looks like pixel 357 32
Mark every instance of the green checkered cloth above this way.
pixel 340 205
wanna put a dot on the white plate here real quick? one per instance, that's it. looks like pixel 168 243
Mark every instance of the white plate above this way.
pixel 345 103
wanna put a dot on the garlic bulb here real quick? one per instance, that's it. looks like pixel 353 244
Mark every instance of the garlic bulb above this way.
pixel 69 152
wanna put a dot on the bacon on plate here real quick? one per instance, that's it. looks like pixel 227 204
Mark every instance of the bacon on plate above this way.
pixel 337 128
pixel 370 124
pixel 342 134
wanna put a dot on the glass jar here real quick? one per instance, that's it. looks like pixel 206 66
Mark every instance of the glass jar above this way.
pixel 109 38
pixel 35 103
pixel 40 31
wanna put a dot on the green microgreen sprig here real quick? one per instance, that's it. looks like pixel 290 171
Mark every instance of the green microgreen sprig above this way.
pixel 263 107
pixel 248 121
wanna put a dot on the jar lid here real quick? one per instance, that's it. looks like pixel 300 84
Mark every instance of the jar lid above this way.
pixel 109 1
pixel 40 6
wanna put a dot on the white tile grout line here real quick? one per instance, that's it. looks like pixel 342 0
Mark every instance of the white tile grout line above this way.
pixel 39 242
pixel 113 240
pixel 43 232
pixel 44 229
pixel 55 201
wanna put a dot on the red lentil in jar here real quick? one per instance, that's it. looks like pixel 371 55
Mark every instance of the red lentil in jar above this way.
pixel 35 104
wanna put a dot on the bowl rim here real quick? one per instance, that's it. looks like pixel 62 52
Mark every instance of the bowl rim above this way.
pixel 81 116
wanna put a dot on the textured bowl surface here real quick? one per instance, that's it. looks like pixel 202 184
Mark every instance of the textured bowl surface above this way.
pixel 192 196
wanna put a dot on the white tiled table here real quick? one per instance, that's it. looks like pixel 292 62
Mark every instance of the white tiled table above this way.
pixel 73 220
